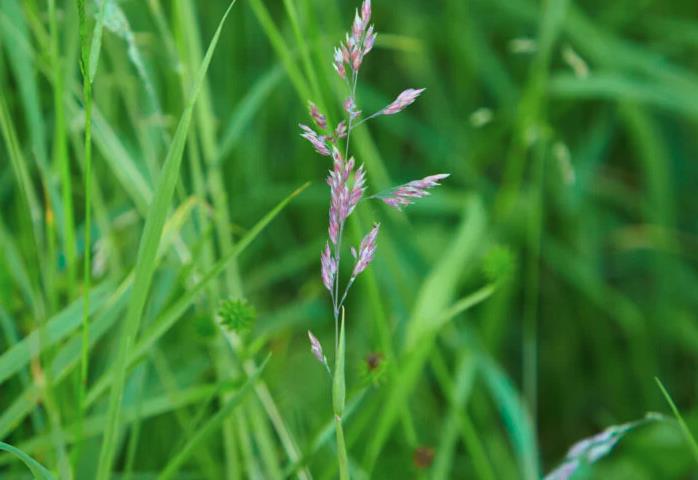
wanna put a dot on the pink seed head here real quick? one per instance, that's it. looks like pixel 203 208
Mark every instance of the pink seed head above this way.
pixel 350 108
pixel 338 63
pixel 405 195
pixel 316 348
pixel 369 41
pixel 357 29
pixel 357 190
pixel 366 11
pixel 319 119
pixel 329 268
pixel 405 99
pixel 317 141
pixel 341 130
pixel 367 250
pixel 346 57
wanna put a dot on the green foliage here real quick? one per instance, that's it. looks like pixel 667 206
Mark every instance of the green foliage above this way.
pixel 526 304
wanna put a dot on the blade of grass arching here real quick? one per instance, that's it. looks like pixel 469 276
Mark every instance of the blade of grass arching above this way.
pixel 688 436
pixel 146 261
pixel 440 286
pixel 60 149
pixel 38 471
pixel 516 419
pixel 210 426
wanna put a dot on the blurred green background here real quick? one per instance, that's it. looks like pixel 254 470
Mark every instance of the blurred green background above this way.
pixel 527 304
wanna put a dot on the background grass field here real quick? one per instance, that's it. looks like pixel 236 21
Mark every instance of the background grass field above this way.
pixel 527 304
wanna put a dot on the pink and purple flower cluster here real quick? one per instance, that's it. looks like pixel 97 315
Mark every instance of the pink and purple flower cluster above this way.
pixel 348 183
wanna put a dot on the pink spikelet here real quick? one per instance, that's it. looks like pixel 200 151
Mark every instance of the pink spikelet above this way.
pixel 319 119
pixel 317 141
pixel 338 63
pixel 341 130
pixel 369 41
pixel 406 194
pixel 329 268
pixel 366 11
pixel 357 29
pixel 358 188
pixel 338 180
pixel 316 348
pixel 404 100
pixel 350 108
pixel 367 250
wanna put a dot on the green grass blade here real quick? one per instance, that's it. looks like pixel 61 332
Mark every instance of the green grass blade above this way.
pixel 38 470
pixel 690 439
pixel 145 263
pixel 211 425
pixel 516 419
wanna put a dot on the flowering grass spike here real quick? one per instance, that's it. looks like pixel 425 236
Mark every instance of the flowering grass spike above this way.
pixel 347 189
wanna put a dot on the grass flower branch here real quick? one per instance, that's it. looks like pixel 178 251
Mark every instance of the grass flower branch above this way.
pixel 347 184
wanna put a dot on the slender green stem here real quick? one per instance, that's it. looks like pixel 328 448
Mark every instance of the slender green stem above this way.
pixel 341 450
pixel 339 402
pixel 690 439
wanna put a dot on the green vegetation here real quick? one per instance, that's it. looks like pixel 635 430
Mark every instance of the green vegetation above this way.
pixel 162 222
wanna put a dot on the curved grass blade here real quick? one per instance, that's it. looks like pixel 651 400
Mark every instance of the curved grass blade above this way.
pixel 145 263
pixel 38 470
pixel 516 419
pixel 690 439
